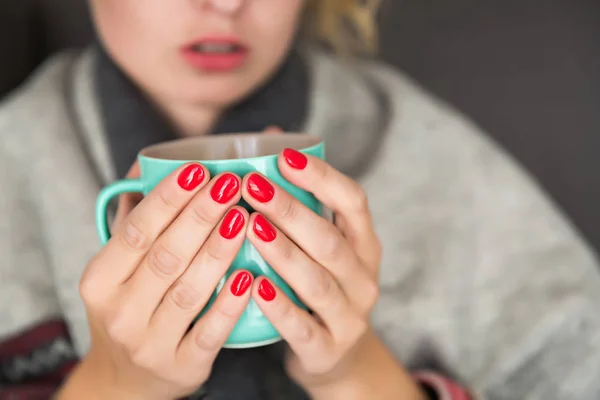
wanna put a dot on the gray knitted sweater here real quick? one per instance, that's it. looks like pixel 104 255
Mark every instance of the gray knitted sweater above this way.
pixel 481 277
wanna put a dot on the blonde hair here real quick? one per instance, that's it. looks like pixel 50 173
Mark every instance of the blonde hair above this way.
pixel 348 26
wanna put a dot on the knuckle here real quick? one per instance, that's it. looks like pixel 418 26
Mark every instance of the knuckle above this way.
pixel 225 315
pixel 358 201
pixel 322 288
pixel 87 290
pixel 118 330
pixel 93 299
pixel 214 252
pixel 371 294
pixel 288 210
pixel 288 251
pixel 333 246
pixel 184 296
pixel 166 199
pixel 284 311
pixel 145 357
pixel 304 332
pixel 201 216
pixel 322 366
pixel 324 172
pixel 208 339
pixel 133 237
pixel 162 262
pixel 214 327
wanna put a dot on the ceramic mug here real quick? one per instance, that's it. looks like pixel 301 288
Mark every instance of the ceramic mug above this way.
pixel 241 154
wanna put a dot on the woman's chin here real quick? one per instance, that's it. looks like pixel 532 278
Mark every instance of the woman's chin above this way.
pixel 220 96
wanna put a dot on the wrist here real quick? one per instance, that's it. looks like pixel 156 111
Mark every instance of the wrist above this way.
pixel 374 374
pixel 363 389
pixel 91 382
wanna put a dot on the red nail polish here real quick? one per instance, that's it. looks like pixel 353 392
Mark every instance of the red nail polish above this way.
pixel 225 188
pixel 260 188
pixel 191 177
pixel 263 229
pixel 295 159
pixel 241 283
pixel 232 224
pixel 266 290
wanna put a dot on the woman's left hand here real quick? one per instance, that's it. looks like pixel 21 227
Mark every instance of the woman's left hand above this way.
pixel 333 268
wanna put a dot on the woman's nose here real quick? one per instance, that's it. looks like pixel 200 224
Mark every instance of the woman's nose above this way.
pixel 226 6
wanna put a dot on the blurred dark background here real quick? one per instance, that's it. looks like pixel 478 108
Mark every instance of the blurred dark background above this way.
pixel 527 71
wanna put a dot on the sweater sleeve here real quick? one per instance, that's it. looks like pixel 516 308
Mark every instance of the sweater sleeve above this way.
pixel 530 322
pixel 483 276
pixel 35 362
pixel 35 348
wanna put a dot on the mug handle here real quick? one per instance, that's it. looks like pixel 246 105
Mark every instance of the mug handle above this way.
pixel 105 196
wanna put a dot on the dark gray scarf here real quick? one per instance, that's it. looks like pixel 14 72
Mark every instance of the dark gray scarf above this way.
pixel 132 123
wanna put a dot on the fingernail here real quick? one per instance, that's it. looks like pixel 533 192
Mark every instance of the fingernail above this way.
pixel 232 224
pixel 241 283
pixel 260 188
pixel 266 290
pixel 263 229
pixel 295 159
pixel 191 177
pixel 225 188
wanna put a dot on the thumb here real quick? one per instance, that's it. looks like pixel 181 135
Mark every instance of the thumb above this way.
pixel 134 171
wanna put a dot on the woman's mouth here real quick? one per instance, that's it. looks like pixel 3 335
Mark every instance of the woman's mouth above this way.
pixel 221 48
pixel 217 54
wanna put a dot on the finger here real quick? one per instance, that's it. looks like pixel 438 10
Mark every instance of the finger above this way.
pixel 172 252
pixel 273 129
pixel 313 284
pixel 320 239
pixel 191 292
pixel 344 196
pixel 204 341
pixel 129 245
pixel 307 339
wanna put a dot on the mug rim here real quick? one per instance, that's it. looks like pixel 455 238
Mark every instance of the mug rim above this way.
pixel 312 142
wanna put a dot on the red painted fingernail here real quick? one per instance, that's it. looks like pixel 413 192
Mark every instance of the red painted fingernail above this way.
pixel 295 159
pixel 260 188
pixel 264 229
pixel 191 177
pixel 266 290
pixel 232 224
pixel 225 188
pixel 241 283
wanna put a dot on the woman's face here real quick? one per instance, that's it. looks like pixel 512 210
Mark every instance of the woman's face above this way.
pixel 205 52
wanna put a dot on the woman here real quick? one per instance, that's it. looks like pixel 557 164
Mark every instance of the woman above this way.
pixel 481 279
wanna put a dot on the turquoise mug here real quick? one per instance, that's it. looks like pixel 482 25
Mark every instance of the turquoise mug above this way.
pixel 241 154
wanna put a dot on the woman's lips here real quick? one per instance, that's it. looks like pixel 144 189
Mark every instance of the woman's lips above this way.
pixel 216 54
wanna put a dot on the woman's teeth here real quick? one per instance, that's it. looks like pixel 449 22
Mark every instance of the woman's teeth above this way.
pixel 215 48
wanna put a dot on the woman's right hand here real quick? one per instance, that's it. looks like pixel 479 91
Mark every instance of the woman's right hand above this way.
pixel 148 284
